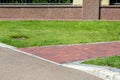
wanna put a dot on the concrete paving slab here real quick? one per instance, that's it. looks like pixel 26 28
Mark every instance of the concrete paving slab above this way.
pixel 18 66
pixel 105 73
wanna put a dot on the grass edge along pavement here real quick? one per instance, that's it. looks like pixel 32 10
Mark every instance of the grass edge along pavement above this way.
pixel 43 33
pixel 112 61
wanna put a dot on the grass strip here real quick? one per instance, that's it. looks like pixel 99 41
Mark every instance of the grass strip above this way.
pixel 41 33
pixel 113 61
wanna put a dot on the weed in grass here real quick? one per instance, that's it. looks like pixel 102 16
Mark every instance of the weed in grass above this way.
pixel 19 37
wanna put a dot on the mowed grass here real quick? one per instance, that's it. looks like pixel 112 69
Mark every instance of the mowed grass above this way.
pixel 113 61
pixel 42 33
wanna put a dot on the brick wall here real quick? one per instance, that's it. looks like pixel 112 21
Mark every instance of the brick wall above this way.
pixel 91 9
pixel 69 12
pixel 110 13
pixel 41 12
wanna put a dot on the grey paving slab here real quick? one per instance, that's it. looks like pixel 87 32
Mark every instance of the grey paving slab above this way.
pixel 17 66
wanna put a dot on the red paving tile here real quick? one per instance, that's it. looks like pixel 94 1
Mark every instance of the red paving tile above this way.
pixel 63 54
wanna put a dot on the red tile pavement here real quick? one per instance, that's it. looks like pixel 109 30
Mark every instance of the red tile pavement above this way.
pixel 63 54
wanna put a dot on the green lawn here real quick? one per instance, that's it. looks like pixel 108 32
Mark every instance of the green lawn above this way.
pixel 42 33
pixel 113 61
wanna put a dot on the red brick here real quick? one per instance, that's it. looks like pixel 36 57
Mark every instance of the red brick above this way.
pixel 63 54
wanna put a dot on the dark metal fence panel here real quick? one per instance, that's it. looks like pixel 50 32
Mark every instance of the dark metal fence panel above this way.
pixel 115 2
pixel 37 1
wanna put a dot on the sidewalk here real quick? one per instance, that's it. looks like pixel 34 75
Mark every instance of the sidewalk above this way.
pixel 71 53
pixel 15 65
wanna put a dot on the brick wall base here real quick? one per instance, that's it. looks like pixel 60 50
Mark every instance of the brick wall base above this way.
pixel 10 12
pixel 41 12
pixel 110 13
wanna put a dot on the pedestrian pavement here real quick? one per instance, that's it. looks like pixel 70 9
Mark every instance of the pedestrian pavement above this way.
pixel 71 53
pixel 16 65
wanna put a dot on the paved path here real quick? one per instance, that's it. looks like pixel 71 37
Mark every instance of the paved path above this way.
pixel 17 66
pixel 63 54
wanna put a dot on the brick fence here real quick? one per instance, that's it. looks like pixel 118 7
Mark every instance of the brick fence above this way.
pixel 91 10
pixel 110 12
pixel 41 12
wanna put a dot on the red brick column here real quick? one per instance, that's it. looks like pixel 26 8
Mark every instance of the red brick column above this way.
pixel 91 9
